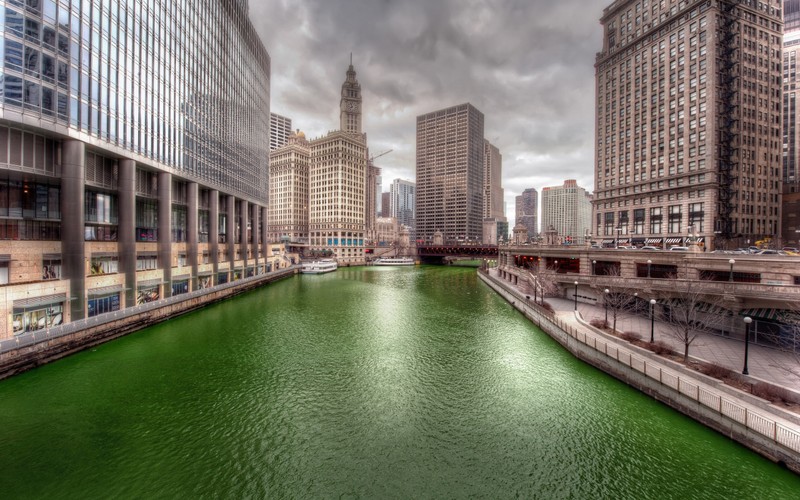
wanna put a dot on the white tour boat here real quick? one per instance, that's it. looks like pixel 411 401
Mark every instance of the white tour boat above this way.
pixel 319 266
pixel 394 261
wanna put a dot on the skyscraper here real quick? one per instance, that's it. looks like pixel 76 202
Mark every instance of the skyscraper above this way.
pixel 289 167
pixel 566 209
pixel 790 218
pixel 339 182
pixel 280 128
pixel 493 205
pixel 450 173
pixel 688 101
pixel 402 196
pixel 128 178
pixel 527 211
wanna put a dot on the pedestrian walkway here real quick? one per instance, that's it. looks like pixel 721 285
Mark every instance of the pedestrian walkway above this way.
pixel 770 365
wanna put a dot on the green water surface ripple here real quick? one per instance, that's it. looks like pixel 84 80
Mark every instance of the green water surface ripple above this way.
pixel 365 383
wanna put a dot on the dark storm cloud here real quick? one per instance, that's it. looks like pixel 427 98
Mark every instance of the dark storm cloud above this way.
pixel 526 64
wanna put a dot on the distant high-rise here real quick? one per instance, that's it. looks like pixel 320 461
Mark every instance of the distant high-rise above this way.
pixel 280 128
pixel 568 210
pixel 288 190
pixel 790 219
pixel 527 211
pixel 340 182
pixel 401 199
pixel 688 122
pixel 386 204
pixel 450 173
pixel 791 15
pixel 493 205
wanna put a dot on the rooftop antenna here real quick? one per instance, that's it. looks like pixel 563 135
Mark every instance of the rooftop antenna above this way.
pixel 351 58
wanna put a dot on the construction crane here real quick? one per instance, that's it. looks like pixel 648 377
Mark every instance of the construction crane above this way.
pixel 372 158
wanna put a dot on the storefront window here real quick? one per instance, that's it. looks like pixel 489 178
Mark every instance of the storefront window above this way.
pixel 41 317
pixel 180 287
pixel 101 304
pixel 147 294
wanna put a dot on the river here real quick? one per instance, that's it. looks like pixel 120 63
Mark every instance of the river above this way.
pixel 369 382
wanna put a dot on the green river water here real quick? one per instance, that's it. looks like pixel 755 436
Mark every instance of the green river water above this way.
pixel 364 383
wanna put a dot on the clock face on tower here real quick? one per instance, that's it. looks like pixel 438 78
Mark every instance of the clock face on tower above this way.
pixel 352 105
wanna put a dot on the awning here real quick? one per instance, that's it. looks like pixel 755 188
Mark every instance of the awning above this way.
pixel 5 258
pixel 96 255
pixel 608 241
pixel 149 283
pixel 51 256
pixel 697 240
pixel 182 277
pixel 637 241
pixel 654 240
pixel 36 302
pixel 765 313
pixel 623 241
pixel 105 290
pixel 672 241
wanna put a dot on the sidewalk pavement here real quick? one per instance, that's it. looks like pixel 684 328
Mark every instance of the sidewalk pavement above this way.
pixel 770 365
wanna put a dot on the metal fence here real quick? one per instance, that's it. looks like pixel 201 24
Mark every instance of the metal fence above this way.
pixel 31 338
pixel 729 408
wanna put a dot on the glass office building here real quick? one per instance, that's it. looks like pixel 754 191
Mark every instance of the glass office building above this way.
pixel 133 153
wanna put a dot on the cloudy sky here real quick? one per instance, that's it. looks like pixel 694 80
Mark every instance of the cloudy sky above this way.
pixel 528 65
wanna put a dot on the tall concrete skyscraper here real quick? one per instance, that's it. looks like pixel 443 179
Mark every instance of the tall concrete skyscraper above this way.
pixel 288 190
pixel 402 195
pixel 527 211
pixel 566 209
pixel 450 173
pixel 340 181
pixel 790 223
pixel 280 128
pixel 688 131
pixel 493 205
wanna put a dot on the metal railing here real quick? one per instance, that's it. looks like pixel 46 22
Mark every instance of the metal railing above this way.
pixel 769 428
pixel 35 337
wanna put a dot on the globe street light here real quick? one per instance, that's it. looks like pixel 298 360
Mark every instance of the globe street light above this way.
pixel 594 265
pixel 606 303
pixel 652 320
pixel 649 263
pixel 576 295
pixel 731 262
pixel 747 321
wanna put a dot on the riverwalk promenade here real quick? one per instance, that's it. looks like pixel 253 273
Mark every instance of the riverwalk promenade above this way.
pixel 765 428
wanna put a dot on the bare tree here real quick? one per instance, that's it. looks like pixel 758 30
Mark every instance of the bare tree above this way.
pixel 616 297
pixel 689 313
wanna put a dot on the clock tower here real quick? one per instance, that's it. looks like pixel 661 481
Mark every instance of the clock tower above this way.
pixel 350 105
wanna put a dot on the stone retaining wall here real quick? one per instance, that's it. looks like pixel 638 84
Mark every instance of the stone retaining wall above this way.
pixel 109 326
pixel 639 379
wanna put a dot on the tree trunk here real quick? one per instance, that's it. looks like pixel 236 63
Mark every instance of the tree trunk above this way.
pixel 685 352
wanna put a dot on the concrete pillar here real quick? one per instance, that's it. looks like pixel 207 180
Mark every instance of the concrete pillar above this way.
pixel 127 228
pixel 255 236
pixel 73 249
pixel 165 229
pixel 264 233
pixel 213 231
pixel 244 215
pixel 231 229
pixel 193 193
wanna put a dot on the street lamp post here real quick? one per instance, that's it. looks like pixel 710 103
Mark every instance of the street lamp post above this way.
pixel 576 296
pixel 652 320
pixel 649 263
pixel 555 262
pixel 594 266
pixel 535 285
pixel 747 321
pixel 731 262
pixel 606 303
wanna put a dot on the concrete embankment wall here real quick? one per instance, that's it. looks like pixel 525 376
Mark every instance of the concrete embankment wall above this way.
pixel 49 345
pixel 774 438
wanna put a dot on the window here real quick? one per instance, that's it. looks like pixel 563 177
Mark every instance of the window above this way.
pixel 180 287
pixel 51 268
pixel 146 219
pixel 696 216
pixel 146 261
pixel 655 220
pixel 638 221
pixel 3 270
pixel 147 293
pixel 101 304
pixel 674 219
pixel 104 264
pixel 101 217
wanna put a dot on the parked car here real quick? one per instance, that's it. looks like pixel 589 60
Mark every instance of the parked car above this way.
pixel 770 251
pixel 647 247
pixel 678 249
